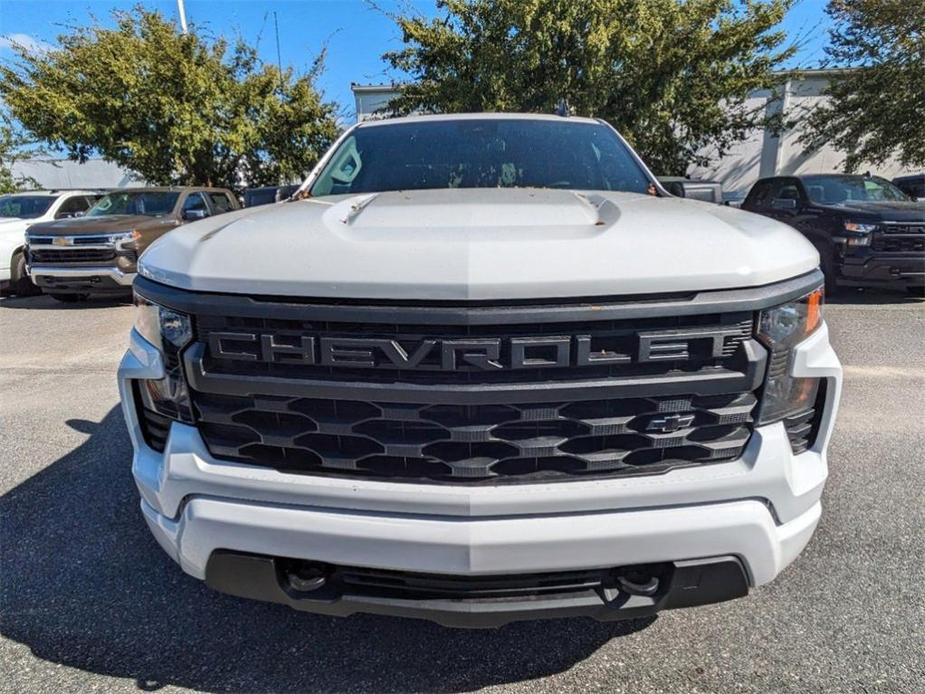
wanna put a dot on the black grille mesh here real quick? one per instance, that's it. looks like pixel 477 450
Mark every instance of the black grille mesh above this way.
pixel 68 255
pixel 494 443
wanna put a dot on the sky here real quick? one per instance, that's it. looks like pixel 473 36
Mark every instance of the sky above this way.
pixel 356 32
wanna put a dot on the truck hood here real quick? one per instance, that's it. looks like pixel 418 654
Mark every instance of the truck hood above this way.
pixel 883 210
pixel 479 244
pixel 109 224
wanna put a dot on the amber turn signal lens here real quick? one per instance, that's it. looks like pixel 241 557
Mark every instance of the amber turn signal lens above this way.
pixel 814 310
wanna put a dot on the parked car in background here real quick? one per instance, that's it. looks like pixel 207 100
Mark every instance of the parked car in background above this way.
pixel 708 191
pixel 867 231
pixel 19 211
pixel 97 253
pixel 267 195
pixel 913 186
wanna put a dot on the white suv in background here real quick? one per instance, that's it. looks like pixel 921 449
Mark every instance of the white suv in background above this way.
pixel 19 211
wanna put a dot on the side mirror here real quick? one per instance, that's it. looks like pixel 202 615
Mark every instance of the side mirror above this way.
pixel 193 215
pixel 68 215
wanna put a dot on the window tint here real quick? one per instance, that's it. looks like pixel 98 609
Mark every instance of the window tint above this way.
pixel 72 207
pixel 24 206
pixel 787 190
pixel 837 189
pixel 760 194
pixel 195 201
pixel 220 202
pixel 481 153
pixel 150 203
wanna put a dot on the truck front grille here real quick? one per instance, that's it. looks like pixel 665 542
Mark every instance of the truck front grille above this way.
pixel 470 394
pixel 899 238
pixel 516 441
pixel 71 255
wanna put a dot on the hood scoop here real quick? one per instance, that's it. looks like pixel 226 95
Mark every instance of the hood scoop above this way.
pixel 471 209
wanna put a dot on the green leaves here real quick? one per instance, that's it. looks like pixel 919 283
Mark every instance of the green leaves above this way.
pixel 177 109
pixel 671 75
pixel 877 110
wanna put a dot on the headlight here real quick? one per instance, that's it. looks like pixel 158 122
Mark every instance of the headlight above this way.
pixel 125 240
pixel 860 227
pixel 159 324
pixel 780 329
pixel 170 331
pixel 858 233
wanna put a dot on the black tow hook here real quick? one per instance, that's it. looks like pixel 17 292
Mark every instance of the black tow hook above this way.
pixel 646 587
pixel 306 579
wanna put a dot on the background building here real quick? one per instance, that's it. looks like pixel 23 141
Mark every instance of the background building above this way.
pixel 764 153
pixel 54 174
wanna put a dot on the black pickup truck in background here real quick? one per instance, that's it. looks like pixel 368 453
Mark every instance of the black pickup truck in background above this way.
pixel 867 231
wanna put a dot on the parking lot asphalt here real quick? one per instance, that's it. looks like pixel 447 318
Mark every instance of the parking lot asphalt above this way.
pixel 89 602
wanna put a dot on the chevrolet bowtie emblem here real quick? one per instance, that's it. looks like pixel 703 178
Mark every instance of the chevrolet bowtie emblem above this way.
pixel 670 423
pixel 61 241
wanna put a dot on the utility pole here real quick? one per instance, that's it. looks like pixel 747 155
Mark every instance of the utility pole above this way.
pixel 182 10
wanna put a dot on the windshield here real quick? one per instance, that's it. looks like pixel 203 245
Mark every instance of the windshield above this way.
pixel 25 206
pixel 146 202
pixel 481 153
pixel 836 190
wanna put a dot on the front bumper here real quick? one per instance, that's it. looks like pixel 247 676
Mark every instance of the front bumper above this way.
pixel 82 278
pixel 760 509
pixel 874 268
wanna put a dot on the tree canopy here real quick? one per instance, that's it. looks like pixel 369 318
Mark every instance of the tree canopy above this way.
pixel 877 107
pixel 671 75
pixel 175 108
pixel 14 146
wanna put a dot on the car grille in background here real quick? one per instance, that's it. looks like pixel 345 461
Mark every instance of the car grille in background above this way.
pixel 68 255
pixel 519 442
pixel 899 238
pixel 475 425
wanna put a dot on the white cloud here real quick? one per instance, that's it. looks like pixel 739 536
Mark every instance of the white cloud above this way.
pixel 32 44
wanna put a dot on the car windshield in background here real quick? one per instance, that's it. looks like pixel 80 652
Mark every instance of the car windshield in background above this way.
pixel 836 190
pixel 481 153
pixel 150 203
pixel 24 206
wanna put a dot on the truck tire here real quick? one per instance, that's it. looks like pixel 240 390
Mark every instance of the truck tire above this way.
pixel 20 284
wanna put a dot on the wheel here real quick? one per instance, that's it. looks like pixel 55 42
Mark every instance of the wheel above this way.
pixel 68 298
pixel 20 284
pixel 827 265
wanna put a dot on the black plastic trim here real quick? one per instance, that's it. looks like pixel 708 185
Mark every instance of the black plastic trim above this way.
pixel 684 584
pixel 477 313
pixel 706 382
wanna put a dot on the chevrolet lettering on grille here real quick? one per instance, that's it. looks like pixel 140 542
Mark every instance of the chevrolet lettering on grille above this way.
pixel 489 354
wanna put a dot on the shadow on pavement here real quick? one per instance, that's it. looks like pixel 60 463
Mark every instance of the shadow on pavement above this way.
pixel 44 302
pixel 86 586
pixel 872 296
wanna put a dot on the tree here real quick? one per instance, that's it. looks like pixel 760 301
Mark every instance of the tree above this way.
pixel 14 146
pixel 671 75
pixel 876 109
pixel 175 108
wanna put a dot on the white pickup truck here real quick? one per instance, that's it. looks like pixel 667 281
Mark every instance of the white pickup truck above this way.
pixel 481 368
pixel 19 211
